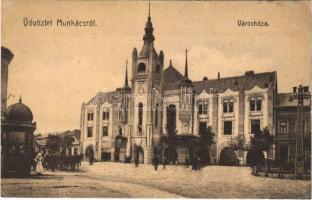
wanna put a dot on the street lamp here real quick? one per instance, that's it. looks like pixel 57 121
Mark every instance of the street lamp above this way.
pixel 300 94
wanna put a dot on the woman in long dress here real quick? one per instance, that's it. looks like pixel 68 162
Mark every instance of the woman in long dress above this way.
pixel 39 159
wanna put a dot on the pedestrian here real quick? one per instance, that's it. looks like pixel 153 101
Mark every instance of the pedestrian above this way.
pixel 38 160
pixel 155 162
pixel 91 159
pixel 187 162
pixel 52 161
pixel 164 162
pixel 47 160
pixel 199 164
pixel 136 161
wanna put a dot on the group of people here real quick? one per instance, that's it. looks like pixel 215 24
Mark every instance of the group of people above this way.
pixel 52 161
pixel 195 162
pixel 156 162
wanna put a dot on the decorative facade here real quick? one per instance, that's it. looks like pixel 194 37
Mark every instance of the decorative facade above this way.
pixel 130 121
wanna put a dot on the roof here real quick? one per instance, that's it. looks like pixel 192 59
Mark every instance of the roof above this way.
pixel 171 78
pixel 283 100
pixel 19 112
pixel 144 51
pixel 6 53
pixel 106 96
pixel 247 81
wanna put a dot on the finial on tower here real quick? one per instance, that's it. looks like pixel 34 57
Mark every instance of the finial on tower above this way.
pixel 186 66
pixel 20 99
pixel 149 8
pixel 170 63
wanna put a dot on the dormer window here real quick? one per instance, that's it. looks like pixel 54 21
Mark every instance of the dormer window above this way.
pixel 141 68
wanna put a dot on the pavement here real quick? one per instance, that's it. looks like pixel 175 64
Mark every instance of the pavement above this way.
pixel 107 179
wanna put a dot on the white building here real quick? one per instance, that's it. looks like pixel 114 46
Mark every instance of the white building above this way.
pixel 130 121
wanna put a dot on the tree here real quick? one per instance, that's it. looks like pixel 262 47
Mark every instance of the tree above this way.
pixel 207 140
pixel 66 141
pixel 171 144
pixel 238 143
pixel 259 142
pixel 53 143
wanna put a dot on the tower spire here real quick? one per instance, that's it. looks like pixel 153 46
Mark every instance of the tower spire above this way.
pixel 20 99
pixel 186 66
pixel 149 37
pixel 149 9
pixel 126 76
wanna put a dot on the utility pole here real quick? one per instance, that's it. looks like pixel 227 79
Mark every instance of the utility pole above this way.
pixel 300 94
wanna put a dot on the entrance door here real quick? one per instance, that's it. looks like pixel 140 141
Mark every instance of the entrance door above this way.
pixel 202 127
pixel 227 156
pixel 140 154
pixel 171 118
pixel 89 152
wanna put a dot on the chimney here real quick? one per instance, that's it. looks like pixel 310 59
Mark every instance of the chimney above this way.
pixel 249 73
pixel 205 78
pixel 218 75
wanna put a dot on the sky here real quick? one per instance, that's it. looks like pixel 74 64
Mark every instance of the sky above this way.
pixel 56 69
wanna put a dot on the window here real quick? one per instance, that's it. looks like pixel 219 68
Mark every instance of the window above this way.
pixel 75 151
pixel 225 110
pixel 255 126
pixel 227 129
pixel 291 154
pixel 105 131
pixel 120 130
pixel 157 69
pixel 141 68
pixel 231 105
pixel 258 104
pixel 140 115
pixel 255 104
pixel 202 108
pixel 69 151
pixel 228 106
pixel 252 105
pixel 90 116
pixel 89 131
pixel 156 115
pixel 105 115
pixel 283 127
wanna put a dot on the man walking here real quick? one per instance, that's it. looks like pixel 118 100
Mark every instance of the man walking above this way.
pixel 136 161
pixel 164 162
pixel 155 162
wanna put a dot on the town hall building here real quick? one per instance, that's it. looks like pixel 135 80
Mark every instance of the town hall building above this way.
pixel 133 119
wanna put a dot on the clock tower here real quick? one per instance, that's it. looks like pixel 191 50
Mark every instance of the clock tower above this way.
pixel 145 108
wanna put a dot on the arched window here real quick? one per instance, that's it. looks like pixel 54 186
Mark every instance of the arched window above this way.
pixel 140 113
pixel 157 69
pixel 141 68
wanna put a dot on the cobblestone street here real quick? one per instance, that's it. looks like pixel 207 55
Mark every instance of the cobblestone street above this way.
pixel 124 180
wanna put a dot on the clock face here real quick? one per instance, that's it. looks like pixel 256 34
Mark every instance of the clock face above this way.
pixel 141 90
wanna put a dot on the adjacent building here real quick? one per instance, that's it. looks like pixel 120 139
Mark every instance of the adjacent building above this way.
pixel 69 142
pixel 286 132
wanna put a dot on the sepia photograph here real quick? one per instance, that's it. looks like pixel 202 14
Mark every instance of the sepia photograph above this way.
pixel 156 99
